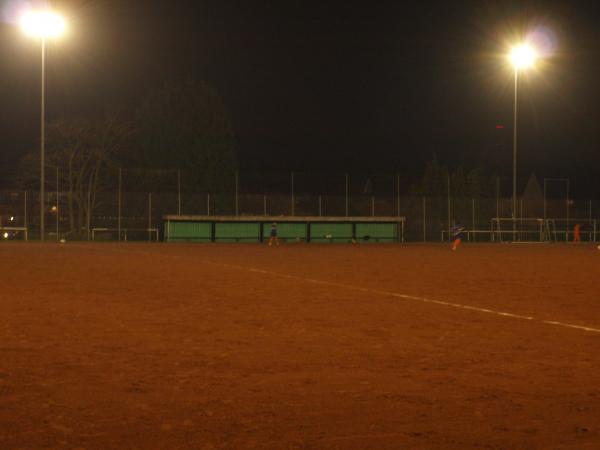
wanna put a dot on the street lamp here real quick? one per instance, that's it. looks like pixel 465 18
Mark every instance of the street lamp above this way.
pixel 42 25
pixel 522 57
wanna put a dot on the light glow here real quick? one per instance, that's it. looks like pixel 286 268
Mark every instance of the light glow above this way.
pixel 43 24
pixel 522 57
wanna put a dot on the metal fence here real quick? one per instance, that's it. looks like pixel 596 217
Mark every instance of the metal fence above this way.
pixel 138 215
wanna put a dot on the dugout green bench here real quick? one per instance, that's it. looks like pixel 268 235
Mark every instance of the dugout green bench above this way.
pixel 222 229
pixel 189 231
pixel 331 232
pixel 237 232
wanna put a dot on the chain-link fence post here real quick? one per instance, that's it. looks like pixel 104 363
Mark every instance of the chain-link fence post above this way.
pixel 424 220
pixel 178 192
pixel 57 205
pixel 473 218
pixel 237 211
pixel 25 215
pixel 292 183
pixel 398 197
pixel 449 210
pixel 119 205
pixel 346 195
pixel 89 213
pixel 149 216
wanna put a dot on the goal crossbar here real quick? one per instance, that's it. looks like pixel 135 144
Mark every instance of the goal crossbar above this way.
pixel 6 232
pixel 153 233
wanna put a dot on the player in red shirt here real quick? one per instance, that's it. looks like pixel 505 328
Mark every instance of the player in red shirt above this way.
pixel 577 233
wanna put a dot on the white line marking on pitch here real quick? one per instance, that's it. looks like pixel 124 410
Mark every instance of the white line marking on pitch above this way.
pixel 405 297
pixel 390 294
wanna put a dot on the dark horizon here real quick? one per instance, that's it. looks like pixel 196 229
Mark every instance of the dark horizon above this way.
pixel 331 87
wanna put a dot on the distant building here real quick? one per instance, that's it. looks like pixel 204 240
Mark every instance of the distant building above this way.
pixel 532 199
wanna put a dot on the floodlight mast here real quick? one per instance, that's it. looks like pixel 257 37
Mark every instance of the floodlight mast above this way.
pixel 42 25
pixel 522 57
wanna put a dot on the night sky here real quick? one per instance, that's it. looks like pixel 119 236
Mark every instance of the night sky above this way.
pixel 328 85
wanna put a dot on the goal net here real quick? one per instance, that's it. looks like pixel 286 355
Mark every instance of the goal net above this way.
pixel 14 233
pixel 508 229
pixel 124 234
pixel 565 228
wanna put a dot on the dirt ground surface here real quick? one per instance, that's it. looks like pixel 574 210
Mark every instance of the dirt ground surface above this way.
pixel 169 346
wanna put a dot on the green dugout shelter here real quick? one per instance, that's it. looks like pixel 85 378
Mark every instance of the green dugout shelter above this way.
pixel 317 229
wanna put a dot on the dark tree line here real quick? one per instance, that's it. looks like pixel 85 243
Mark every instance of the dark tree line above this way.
pixel 183 125
pixel 474 183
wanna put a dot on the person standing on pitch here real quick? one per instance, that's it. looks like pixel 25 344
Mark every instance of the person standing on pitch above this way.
pixel 273 236
pixel 577 233
pixel 457 232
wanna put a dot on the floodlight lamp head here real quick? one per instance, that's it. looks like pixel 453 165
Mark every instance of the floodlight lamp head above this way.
pixel 43 24
pixel 522 57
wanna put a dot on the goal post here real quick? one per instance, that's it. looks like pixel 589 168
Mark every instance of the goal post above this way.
pixel 565 228
pixel 125 234
pixel 508 229
pixel 14 233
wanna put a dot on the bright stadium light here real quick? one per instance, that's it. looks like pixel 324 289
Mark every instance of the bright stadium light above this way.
pixel 43 24
pixel 523 57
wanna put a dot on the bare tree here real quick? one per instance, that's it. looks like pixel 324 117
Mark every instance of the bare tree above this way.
pixel 81 150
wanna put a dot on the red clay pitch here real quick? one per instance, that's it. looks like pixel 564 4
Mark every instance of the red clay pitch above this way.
pixel 299 347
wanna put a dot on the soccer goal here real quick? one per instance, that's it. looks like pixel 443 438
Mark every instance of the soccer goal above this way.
pixel 14 233
pixel 125 234
pixel 508 229
pixel 565 228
